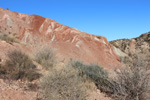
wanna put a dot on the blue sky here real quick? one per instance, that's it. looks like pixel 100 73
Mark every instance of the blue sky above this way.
pixel 114 19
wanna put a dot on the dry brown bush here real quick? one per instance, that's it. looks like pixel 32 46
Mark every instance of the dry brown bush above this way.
pixel 19 66
pixel 64 84
pixel 131 83
pixel 45 57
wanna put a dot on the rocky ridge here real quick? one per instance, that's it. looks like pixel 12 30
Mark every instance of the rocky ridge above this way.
pixel 135 47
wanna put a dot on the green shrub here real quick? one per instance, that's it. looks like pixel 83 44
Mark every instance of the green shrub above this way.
pixel 114 43
pixel 19 66
pixel 147 39
pixel 92 71
pixel 64 84
pixel 45 57
pixel 32 75
pixel 7 38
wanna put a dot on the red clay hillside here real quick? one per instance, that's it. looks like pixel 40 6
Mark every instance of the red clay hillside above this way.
pixel 35 32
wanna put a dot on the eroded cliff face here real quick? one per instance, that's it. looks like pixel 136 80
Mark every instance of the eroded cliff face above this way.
pixel 35 32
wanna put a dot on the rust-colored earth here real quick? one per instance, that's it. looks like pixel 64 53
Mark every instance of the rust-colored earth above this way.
pixel 34 32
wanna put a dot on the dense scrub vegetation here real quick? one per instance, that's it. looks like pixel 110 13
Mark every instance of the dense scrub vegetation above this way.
pixel 131 83
pixel 64 84
pixel 19 66
pixel 93 72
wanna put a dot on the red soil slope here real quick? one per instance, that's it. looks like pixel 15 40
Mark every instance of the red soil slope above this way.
pixel 36 32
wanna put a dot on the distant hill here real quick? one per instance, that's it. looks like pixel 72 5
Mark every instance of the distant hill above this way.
pixel 135 47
